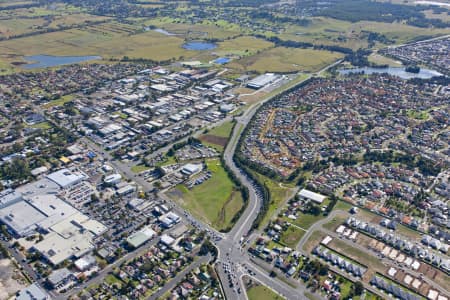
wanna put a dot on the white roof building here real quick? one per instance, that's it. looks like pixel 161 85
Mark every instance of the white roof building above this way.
pixel 190 169
pixel 85 263
pixel 318 198
pixel 167 240
pixel 32 292
pixel 65 177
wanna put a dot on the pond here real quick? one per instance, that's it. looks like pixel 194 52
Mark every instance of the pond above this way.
pixel 221 60
pixel 198 46
pixel 45 61
pixel 400 72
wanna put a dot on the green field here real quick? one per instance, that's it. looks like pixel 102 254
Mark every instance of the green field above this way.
pixel 218 136
pixel 215 201
pixel 261 292
pixel 223 130
pixel 383 60
pixel 281 59
pixel 328 31
pixel 59 102
pixel 292 236
pixel 43 125
pixel 306 220
pixel 279 194
pixel 139 168
pixel 418 115
pixel 242 46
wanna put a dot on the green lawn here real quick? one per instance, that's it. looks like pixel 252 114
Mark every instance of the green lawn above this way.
pixel 418 115
pixel 279 194
pixel 217 137
pixel 139 168
pixel 43 125
pixel 356 254
pixel 59 102
pixel 306 220
pixel 223 130
pixel 111 279
pixel 261 292
pixel 335 222
pixel 169 160
pixel 342 205
pixel 292 236
pixel 216 201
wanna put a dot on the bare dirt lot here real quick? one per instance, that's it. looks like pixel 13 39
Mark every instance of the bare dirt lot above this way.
pixel 213 139
pixel 11 280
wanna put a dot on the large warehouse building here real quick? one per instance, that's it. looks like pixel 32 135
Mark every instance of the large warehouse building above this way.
pixel 262 81
pixel 38 208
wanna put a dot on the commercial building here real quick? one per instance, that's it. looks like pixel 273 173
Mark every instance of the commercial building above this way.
pixel 191 169
pixel 32 292
pixel 8 197
pixel 112 179
pixel 262 80
pixel 70 238
pixel 66 178
pixel 85 263
pixel 309 195
pixel 38 207
pixel 140 237
pixel 60 277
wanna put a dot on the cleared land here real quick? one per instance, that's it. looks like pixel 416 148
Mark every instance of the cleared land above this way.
pixel 292 236
pixel 383 60
pixel 281 59
pixel 215 201
pixel 218 136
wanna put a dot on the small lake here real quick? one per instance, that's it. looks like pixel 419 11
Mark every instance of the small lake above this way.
pixel 45 61
pixel 432 3
pixel 198 46
pixel 221 60
pixel 400 72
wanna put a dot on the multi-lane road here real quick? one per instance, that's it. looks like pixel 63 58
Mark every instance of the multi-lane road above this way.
pixel 233 261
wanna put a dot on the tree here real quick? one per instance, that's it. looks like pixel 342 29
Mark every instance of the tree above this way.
pixel 323 270
pixel 358 288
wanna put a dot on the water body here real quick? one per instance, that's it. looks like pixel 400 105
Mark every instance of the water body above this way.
pixel 45 61
pixel 400 72
pixel 221 60
pixel 165 32
pixel 199 46
pixel 432 3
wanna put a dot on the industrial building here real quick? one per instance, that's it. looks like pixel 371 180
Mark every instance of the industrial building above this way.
pixel 66 178
pixel 309 195
pixel 262 81
pixel 191 169
pixel 32 292
pixel 38 207
pixel 140 237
